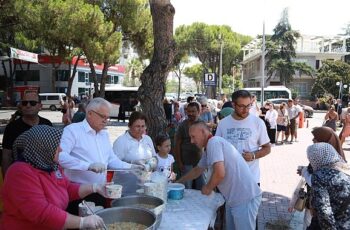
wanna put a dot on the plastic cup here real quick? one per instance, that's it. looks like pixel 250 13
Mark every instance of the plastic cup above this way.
pixel 114 191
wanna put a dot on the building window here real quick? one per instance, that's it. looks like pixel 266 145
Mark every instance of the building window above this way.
pixel 62 75
pixel 61 89
pixel 27 75
pixel 81 76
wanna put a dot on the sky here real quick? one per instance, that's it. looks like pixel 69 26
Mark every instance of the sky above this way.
pixel 309 17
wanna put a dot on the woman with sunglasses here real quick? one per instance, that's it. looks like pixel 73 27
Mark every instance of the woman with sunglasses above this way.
pixel 29 108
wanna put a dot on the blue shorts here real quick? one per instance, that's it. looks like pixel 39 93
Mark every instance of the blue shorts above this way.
pixel 281 128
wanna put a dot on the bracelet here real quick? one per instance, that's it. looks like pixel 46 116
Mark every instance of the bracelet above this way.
pixel 253 156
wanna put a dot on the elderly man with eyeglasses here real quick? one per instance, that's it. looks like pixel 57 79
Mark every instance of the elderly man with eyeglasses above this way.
pixel 29 108
pixel 87 151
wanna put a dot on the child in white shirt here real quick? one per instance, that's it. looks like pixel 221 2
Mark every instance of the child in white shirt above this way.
pixel 165 160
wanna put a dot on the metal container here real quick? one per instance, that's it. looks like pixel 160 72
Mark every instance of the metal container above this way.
pixel 129 214
pixel 130 201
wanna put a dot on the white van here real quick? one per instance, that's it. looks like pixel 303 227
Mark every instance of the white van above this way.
pixel 51 101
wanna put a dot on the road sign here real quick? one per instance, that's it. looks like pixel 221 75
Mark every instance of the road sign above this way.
pixel 209 79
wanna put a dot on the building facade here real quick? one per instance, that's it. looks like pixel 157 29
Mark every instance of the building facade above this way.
pixel 312 50
pixel 41 75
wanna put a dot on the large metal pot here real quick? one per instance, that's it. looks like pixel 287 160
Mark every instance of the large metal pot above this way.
pixel 130 201
pixel 129 214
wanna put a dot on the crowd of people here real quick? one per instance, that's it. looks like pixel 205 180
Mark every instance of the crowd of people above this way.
pixel 47 171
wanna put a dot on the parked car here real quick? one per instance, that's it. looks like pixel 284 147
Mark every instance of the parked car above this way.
pixel 51 101
pixel 308 111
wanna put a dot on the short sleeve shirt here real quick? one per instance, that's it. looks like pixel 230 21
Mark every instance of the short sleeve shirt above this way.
pixel 16 128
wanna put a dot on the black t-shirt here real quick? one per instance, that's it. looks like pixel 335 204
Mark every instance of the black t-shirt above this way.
pixel 16 128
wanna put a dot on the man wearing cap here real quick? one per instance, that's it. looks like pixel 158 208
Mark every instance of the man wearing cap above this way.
pixel 29 107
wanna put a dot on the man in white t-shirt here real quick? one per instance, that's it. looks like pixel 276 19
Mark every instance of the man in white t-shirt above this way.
pixel 299 110
pixel 293 114
pixel 246 132
pixel 230 174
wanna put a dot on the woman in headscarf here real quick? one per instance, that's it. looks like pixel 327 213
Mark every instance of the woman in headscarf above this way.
pixel 35 191
pixel 326 135
pixel 330 186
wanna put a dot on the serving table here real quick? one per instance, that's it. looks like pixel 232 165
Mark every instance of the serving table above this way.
pixel 195 211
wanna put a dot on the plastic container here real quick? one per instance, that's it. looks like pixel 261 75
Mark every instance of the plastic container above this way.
pixel 114 191
pixel 176 191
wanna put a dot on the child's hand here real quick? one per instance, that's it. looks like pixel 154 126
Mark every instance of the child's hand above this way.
pixel 172 176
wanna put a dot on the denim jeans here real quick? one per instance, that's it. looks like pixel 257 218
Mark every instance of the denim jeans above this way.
pixel 198 183
pixel 243 216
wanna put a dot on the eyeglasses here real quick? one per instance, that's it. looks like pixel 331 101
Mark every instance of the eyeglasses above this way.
pixel 101 115
pixel 32 103
pixel 244 106
pixel 204 105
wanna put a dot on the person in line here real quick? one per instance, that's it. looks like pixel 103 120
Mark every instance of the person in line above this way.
pixel 165 159
pixel 80 114
pixel 330 186
pixel 345 132
pixel 205 114
pixel 188 154
pixel 134 146
pixel 254 109
pixel 293 114
pixel 36 192
pixel 67 110
pixel 331 118
pixel 246 132
pixel 230 174
pixel 299 119
pixel 282 122
pixel 326 135
pixel 29 107
pixel 271 118
pixel 87 152
pixel 225 112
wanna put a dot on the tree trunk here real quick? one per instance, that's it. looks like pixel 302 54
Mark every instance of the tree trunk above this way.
pixel 153 79
pixel 94 78
pixel 103 79
pixel 72 76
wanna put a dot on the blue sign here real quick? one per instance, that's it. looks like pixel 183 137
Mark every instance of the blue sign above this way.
pixel 210 79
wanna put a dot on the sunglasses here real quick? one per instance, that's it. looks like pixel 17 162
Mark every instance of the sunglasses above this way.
pixel 32 103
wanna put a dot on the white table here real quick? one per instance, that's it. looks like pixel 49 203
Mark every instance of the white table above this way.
pixel 195 211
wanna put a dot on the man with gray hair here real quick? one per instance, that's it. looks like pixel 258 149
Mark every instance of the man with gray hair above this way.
pixel 87 151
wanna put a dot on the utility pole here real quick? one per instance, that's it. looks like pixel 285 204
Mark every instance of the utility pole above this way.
pixel 220 68
pixel 263 66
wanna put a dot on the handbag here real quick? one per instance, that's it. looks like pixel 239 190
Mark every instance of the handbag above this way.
pixel 301 200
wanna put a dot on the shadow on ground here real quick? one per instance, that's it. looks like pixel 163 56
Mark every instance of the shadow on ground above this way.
pixel 273 213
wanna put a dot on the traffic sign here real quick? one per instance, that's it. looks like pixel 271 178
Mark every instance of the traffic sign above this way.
pixel 210 79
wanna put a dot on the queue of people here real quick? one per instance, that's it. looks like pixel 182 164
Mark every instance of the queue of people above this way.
pixel 56 170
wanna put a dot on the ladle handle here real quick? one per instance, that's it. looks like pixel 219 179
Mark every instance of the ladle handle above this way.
pixel 93 213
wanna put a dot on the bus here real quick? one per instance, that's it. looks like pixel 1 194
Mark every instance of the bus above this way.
pixel 271 92
pixel 123 99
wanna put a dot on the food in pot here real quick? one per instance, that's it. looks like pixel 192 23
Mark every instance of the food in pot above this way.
pixel 125 226
pixel 147 206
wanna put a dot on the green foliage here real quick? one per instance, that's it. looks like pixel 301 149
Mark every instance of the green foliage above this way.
pixel 196 73
pixel 328 75
pixel 134 70
pixel 281 51
pixel 203 41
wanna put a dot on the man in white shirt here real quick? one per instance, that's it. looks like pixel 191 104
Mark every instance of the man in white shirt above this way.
pixel 299 110
pixel 293 114
pixel 87 152
pixel 230 174
pixel 246 132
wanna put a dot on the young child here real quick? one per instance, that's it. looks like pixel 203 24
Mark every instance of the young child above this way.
pixel 165 160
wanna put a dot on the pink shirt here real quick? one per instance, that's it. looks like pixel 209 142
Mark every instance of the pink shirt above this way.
pixel 34 199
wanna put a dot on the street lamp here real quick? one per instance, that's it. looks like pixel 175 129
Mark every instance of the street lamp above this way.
pixel 341 86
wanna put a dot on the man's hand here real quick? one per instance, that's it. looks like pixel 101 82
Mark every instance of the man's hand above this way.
pixel 248 156
pixel 97 167
pixel 206 191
